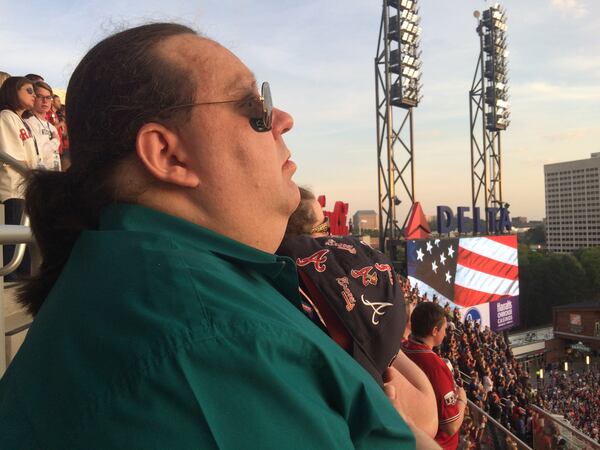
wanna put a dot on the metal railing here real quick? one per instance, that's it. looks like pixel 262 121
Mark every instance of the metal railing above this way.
pixel 489 433
pixel 15 164
pixel 550 431
pixel 20 236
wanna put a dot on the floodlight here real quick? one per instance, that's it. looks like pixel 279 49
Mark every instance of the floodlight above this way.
pixel 404 4
pixel 408 38
pixel 404 56
pixel 493 31
pixel 408 60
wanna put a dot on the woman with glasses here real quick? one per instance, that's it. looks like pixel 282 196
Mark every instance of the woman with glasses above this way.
pixel 45 134
pixel 16 97
pixel 353 294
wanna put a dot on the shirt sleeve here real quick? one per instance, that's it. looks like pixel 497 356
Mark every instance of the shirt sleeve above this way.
pixel 10 142
pixel 446 396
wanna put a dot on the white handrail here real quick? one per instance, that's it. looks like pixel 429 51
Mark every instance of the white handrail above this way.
pixel 12 234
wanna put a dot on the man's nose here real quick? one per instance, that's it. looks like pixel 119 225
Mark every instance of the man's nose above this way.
pixel 282 122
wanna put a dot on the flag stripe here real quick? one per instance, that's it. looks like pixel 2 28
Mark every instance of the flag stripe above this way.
pixel 490 266
pixel 484 282
pixel 468 297
pixel 491 249
pixel 507 239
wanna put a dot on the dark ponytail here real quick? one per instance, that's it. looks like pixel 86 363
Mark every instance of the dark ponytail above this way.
pixel 57 217
pixel 121 84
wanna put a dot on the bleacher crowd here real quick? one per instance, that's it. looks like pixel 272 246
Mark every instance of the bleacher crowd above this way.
pixel 576 396
pixel 500 385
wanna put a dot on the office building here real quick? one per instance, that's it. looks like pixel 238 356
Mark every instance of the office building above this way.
pixel 365 220
pixel 573 204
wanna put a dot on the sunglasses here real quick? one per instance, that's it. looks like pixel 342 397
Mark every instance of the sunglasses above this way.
pixel 323 227
pixel 29 90
pixel 260 108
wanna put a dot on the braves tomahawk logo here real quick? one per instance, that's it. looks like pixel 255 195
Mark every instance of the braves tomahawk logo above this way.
pixel 378 309
pixel 386 268
pixel 317 258
pixel 366 275
pixel 346 293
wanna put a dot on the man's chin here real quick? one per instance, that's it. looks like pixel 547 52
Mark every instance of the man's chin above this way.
pixel 295 197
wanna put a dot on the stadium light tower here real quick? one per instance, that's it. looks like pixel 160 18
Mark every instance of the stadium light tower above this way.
pixel 489 109
pixel 398 91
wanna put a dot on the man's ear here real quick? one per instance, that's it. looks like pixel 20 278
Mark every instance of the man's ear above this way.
pixel 162 154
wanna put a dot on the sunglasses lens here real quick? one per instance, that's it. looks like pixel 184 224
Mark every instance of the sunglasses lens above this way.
pixel 265 111
pixel 29 90
pixel 267 105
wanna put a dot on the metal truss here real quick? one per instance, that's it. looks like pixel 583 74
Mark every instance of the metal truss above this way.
pixel 486 148
pixel 397 92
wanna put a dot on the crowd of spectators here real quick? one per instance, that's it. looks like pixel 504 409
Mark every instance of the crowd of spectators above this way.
pixel 33 135
pixel 55 115
pixel 494 380
pixel 501 386
pixel 575 396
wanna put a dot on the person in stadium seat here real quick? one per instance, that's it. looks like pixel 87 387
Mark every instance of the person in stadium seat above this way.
pixel 428 325
pixel 46 135
pixel 16 97
pixel 334 298
pixel 163 320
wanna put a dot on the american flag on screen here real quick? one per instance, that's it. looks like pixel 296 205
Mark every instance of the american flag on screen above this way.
pixel 466 271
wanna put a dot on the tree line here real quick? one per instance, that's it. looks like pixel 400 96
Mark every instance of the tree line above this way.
pixel 552 279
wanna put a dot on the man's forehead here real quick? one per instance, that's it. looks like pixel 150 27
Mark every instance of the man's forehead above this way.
pixel 216 70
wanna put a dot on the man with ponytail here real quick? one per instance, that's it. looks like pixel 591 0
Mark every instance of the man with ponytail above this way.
pixel 163 320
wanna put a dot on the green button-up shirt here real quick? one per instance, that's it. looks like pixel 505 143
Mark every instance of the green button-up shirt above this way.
pixel 160 334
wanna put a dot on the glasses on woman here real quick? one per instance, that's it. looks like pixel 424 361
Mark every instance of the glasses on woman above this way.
pixel 47 98
pixel 323 227
pixel 260 108
pixel 29 90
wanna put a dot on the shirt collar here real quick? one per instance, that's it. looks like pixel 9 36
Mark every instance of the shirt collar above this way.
pixel 188 235
pixel 419 342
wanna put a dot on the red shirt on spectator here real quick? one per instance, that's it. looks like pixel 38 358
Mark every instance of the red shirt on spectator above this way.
pixel 53 119
pixel 443 385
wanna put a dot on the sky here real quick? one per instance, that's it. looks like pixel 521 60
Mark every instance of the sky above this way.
pixel 318 57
